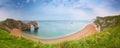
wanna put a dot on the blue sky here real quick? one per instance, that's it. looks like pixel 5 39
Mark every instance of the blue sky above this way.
pixel 57 9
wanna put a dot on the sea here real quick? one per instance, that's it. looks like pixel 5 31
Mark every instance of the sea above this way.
pixel 57 28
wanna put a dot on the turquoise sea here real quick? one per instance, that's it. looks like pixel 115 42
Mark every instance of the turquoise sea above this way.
pixel 57 29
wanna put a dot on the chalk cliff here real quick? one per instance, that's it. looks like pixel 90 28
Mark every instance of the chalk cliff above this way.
pixel 105 22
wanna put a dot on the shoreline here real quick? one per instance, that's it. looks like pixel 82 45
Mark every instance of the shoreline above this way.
pixel 90 29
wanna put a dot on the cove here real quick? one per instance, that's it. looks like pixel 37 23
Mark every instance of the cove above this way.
pixel 56 29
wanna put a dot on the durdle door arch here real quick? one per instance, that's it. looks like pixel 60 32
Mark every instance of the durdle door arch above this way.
pixel 32 23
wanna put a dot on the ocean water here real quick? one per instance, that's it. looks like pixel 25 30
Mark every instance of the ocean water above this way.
pixel 56 29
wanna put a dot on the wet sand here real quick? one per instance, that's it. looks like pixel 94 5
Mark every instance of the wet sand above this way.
pixel 88 30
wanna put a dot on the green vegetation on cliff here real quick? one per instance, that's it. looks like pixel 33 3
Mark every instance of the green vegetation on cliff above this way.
pixel 10 41
pixel 106 22
pixel 109 37
pixel 10 24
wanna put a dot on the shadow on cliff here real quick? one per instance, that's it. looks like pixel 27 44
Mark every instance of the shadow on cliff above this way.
pixel 10 24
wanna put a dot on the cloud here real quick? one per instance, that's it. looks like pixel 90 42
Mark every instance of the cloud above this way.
pixel 79 9
pixel 64 9
pixel 5 13
pixel 27 1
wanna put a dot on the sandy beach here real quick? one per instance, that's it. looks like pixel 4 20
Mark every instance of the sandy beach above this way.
pixel 88 30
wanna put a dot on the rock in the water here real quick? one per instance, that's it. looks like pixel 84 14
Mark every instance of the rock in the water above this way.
pixel 10 24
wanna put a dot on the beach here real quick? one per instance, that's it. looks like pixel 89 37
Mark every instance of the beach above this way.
pixel 90 29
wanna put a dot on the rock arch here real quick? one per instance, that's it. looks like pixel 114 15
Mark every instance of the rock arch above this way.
pixel 34 23
pixel 10 24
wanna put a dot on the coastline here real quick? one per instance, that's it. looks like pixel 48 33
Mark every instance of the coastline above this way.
pixel 90 29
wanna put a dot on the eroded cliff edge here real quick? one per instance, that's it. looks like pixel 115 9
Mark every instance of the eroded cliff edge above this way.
pixel 108 21
pixel 10 24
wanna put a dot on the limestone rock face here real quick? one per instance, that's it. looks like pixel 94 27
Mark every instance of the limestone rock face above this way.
pixel 10 24
pixel 109 21
pixel 34 23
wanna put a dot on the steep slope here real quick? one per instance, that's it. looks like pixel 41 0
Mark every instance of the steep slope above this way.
pixel 10 41
pixel 109 37
pixel 10 24
pixel 105 22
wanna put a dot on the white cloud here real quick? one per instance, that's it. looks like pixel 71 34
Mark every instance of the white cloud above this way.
pixel 64 8
pixel 4 14
pixel 61 8
pixel 27 1
pixel 98 10
pixel 34 0
pixel 103 9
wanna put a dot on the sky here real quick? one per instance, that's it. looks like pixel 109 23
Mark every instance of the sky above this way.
pixel 58 9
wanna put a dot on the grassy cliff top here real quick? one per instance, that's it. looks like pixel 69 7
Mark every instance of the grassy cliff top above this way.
pixel 105 22
pixel 108 38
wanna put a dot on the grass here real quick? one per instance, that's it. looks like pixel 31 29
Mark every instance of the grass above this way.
pixel 109 38
pixel 10 41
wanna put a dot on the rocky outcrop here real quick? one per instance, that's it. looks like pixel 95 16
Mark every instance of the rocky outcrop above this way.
pixel 105 22
pixel 10 24
pixel 28 25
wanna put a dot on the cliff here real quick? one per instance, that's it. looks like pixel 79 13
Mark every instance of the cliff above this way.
pixel 109 38
pixel 105 22
pixel 10 24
